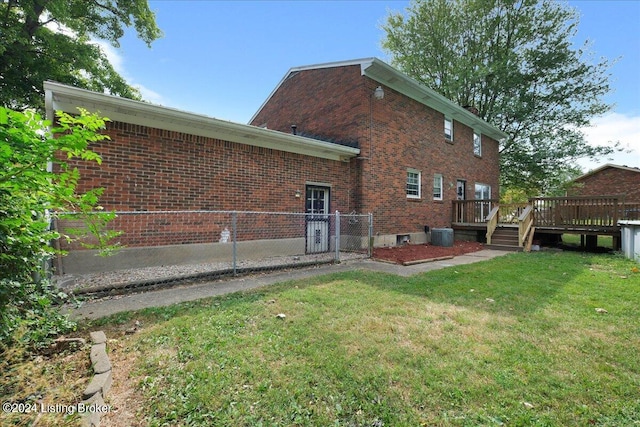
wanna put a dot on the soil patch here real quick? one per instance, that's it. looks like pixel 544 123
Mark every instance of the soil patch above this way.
pixel 408 253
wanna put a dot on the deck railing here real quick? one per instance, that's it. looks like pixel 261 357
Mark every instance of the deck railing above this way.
pixel 590 214
pixel 470 212
pixel 525 227
pixel 584 212
pixel 492 222
pixel 630 211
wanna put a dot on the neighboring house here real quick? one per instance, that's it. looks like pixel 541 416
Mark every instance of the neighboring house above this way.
pixel 609 180
pixel 418 150
pixel 365 138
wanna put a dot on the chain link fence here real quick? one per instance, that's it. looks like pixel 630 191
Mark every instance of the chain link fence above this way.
pixel 163 245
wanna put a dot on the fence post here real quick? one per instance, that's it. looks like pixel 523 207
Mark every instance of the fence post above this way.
pixel 234 226
pixel 337 236
pixel 370 235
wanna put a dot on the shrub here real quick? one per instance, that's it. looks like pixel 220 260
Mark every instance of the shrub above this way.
pixel 30 195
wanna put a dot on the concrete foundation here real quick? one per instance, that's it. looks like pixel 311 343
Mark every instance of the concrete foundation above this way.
pixel 384 240
pixel 88 261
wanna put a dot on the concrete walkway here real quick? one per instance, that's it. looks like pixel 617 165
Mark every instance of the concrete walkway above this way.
pixel 95 309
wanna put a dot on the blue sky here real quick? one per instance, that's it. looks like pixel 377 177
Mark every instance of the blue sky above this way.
pixel 223 58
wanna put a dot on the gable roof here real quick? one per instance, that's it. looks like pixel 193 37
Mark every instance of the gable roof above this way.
pixel 68 99
pixel 603 167
pixel 385 74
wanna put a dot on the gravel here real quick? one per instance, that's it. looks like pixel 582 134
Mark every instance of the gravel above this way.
pixel 122 278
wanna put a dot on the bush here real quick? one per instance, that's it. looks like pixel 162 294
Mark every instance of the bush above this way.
pixel 30 195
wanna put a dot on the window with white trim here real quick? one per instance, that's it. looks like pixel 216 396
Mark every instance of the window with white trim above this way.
pixel 477 144
pixel 448 129
pixel 437 186
pixel 413 184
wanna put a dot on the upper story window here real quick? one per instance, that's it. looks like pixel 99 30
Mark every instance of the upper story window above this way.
pixel 437 187
pixel 413 184
pixel 477 144
pixel 448 129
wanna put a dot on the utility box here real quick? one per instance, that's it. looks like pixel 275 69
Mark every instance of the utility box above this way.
pixel 442 237
pixel 630 233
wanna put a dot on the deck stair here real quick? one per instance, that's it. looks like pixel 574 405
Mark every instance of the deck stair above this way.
pixel 505 237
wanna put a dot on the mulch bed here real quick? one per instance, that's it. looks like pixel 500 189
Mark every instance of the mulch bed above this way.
pixel 408 254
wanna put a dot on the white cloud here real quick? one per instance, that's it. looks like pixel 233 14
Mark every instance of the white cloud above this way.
pixel 148 94
pixel 608 130
pixel 112 55
pixel 117 61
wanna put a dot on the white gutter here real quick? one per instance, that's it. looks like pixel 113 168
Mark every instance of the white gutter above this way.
pixel 68 99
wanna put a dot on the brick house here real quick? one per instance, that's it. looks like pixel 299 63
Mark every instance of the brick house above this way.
pixel 354 136
pixel 609 180
pixel 418 150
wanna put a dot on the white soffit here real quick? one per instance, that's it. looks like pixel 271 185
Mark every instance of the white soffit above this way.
pixel 69 99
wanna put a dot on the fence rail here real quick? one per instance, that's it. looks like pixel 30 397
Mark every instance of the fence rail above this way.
pixel 597 211
pixel 226 240
pixel 471 212
pixel 577 212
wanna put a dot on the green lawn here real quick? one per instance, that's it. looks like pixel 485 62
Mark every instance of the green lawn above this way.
pixel 512 341
pixel 574 240
pixel 515 341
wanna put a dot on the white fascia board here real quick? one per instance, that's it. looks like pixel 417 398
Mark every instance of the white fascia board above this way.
pixel 68 99
pixel 394 79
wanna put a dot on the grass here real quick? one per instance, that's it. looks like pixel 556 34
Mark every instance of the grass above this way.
pixel 574 239
pixel 513 341
pixel 30 383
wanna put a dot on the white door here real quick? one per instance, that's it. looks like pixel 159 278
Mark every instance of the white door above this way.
pixel 317 208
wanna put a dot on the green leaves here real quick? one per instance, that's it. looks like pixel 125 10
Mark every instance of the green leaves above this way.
pixel 35 183
pixel 51 40
pixel 514 62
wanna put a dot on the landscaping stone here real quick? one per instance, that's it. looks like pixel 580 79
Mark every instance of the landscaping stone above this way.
pixel 98 337
pixel 92 419
pixel 99 358
pixel 101 383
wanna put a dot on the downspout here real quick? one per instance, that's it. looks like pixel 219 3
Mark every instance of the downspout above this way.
pixel 53 223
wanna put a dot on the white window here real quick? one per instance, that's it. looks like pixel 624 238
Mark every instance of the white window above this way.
pixel 413 184
pixel 448 129
pixel 477 144
pixel 483 191
pixel 437 187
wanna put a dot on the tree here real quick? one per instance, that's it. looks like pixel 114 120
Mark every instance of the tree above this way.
pixel 30 192
pixel 51 40
pixel 513 60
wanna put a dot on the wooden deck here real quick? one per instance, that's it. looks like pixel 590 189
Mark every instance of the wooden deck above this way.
pixel 589 216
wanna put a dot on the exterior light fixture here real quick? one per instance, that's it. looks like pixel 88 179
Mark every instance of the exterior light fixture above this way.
pixel 378 93
pixel 298 194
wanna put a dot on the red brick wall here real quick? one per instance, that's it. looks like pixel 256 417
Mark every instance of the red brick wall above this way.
pixel 608 182
pixel 394 133
pixel 147 169
pixel 152 169
pixel 328 102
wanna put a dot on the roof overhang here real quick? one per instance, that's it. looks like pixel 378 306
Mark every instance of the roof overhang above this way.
pixel 385 74
pixel 69 99
pixel 606 166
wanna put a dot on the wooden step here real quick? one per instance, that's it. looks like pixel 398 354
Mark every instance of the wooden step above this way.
pixel 512 248
pixel 505 237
